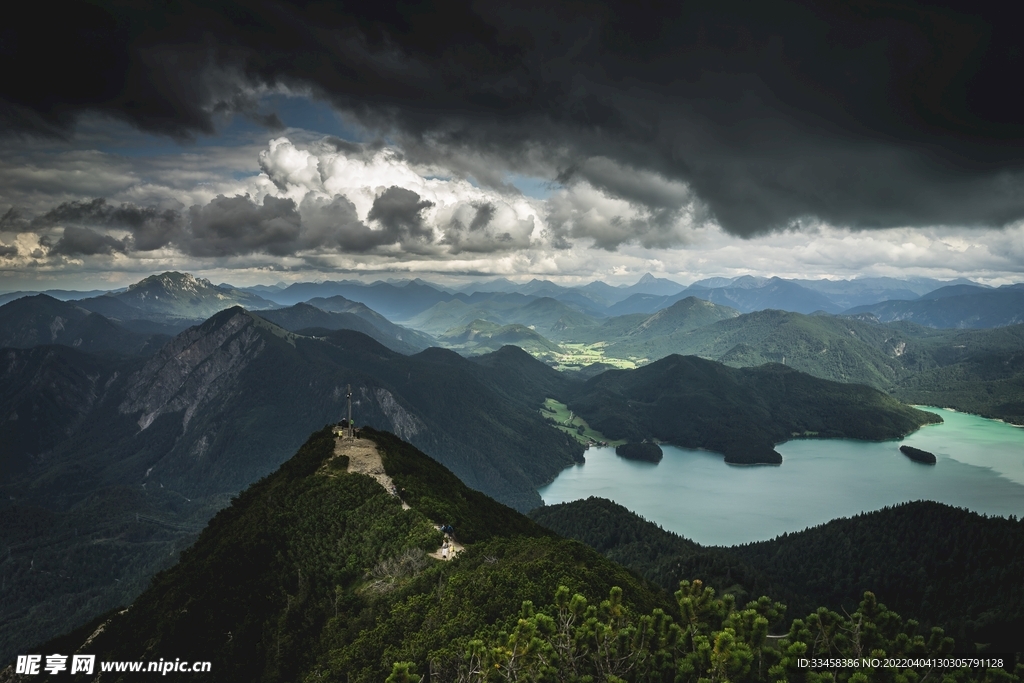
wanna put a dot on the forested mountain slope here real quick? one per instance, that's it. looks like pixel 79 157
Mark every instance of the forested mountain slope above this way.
pixel 315 572
pixel 945 566
pixel 305 317
pixel 974 370
pixel 39 320
pixel 830 347
pixel 741 413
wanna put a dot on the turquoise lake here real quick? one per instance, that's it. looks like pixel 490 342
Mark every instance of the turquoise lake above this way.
pixel 695 494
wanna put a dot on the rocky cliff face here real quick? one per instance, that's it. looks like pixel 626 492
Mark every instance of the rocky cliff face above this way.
pixel 194 368
pixel 403 423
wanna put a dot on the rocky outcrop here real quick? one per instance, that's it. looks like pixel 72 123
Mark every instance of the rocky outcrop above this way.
pixel 194 368
pixel 403 423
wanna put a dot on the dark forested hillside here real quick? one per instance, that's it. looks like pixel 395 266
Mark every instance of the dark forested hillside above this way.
pixel 741 413
pixel 660 556
pixel 518 375
pixel 338 313
pixel 48 392
pixel 975 371
pixel 41 320
pixel 942 565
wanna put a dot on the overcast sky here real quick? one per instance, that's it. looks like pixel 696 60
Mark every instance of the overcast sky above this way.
pixel 259 142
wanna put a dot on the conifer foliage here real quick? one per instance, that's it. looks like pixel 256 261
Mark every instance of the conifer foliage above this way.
pixel 706 639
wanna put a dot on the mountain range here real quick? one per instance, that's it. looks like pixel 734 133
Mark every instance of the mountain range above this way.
pixel 175 295
pixel 136 452
pixel 40 319
pixel 975 371
pixel 126 423
pixel 182 295
pixel 337 313
pixel 481 336
pixel 957 306
pixel 59 294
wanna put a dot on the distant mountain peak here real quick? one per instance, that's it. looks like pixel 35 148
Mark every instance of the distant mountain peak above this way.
pixel 185 295
pixel 750 281
pixel 649 284
pixel 174 280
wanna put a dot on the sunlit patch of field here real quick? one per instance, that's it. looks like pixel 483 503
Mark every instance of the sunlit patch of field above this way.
pixel 579 355
pixel 571 423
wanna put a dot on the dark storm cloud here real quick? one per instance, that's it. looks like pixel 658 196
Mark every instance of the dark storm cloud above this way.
pixel 8 251
pixel 858 114
pixel 151 227
pixel 334 224
pixel 363 151
pixel 85 242
pixel 484 214
pixel 645 188
pixel 13 221
pixel 400 211
pixel 231 226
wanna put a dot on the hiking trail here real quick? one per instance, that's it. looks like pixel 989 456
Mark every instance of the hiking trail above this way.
pixel 364 458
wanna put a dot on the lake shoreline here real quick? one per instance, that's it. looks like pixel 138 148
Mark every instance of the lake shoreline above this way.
pixel 963 412
pixel 689 492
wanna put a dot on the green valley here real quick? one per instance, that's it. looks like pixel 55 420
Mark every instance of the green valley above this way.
pixel 574 425
pixel 975 371
pixel 578 356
